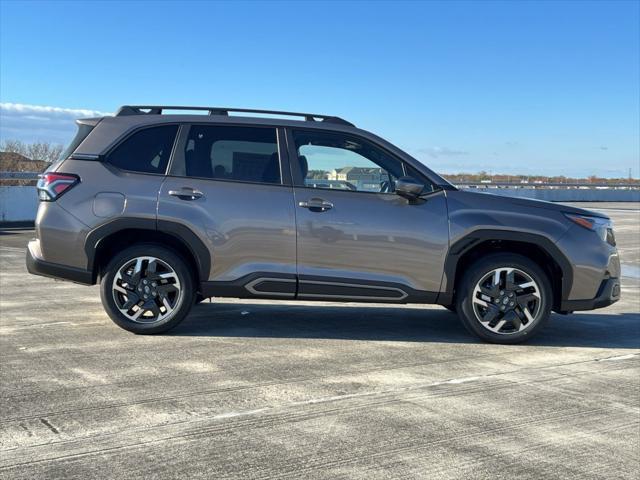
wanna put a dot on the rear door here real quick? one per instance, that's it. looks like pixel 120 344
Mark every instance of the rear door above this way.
pixel 357 239
pixel 226 184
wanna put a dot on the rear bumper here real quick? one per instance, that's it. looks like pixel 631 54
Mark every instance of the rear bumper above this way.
pixel 37 266
pixel 608 293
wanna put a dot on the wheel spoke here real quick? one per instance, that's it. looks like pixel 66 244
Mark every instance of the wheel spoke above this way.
pixel 151 267
pixel 498 325
pixel 168 288
pixel 480 302
pixel 132 299
pixel 491 314
pixel 137 313
pixel 167 305
pixel 167 276
pixel 489 292
pixel 523 300
pixel 531 292
pixel 513 318
pixel 137 271
pixel 527 314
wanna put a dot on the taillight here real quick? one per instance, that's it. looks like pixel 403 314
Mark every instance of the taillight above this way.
pixel 52 185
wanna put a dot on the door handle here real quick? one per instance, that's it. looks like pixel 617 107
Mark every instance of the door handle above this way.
pixel 316 205
pixel 186 193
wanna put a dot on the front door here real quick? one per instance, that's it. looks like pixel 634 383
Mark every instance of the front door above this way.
pixel 356 238
pixel 226 185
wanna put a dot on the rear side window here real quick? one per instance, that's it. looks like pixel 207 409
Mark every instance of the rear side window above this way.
pixel 242 154
pixel 146 151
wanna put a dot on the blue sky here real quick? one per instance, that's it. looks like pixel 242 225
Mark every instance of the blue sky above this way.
pixel 515 87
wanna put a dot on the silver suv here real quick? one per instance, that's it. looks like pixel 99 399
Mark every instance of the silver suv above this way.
pixel 167 209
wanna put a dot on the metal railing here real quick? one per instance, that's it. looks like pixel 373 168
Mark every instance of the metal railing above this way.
pixel 477 185
pixel 19 175
pixel 547 185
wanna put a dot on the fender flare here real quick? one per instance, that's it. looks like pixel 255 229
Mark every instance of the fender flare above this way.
pixel 180 232
pixel 472 239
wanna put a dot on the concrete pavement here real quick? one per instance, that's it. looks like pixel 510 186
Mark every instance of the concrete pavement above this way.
pixel 266 389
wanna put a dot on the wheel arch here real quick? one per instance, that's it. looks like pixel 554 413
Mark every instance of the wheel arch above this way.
pixel 104 241
pixel 535 247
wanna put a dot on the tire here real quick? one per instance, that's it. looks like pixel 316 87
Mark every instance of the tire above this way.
pixel 520 303
pixel 162 276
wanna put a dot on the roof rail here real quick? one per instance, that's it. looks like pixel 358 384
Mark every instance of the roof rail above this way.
pixel 158 109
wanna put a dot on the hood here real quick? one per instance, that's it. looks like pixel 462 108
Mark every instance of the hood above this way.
pixel 533 203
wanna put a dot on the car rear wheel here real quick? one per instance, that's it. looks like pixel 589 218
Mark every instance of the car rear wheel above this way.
pixel 504 298
pixel 147 289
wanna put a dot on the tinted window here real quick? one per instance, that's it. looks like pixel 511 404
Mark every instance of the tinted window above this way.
pixel 244 154
pixel 145 151
pixel 341 162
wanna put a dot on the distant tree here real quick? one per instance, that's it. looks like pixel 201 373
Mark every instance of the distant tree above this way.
pixel 45 151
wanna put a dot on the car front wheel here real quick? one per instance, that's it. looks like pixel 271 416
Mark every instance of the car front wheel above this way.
pixel 147 289
pixel 504 298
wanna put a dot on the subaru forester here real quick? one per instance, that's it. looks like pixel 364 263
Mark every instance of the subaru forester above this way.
pixel 165 206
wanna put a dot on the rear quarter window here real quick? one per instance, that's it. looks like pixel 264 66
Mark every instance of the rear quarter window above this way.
pixel 82 133
pixel 145 151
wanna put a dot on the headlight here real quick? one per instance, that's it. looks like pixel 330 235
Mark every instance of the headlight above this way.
pixel 602 226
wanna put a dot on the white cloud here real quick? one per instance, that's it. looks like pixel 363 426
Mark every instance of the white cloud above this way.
pixel 28 109
pixel 40 123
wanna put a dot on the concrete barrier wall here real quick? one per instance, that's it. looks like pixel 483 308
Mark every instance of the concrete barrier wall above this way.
pixel 18 204
pixel 568 195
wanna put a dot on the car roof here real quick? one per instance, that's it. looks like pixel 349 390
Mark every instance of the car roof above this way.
pixel 112 129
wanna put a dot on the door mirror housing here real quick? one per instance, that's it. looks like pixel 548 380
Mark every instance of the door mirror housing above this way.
pixel 409 188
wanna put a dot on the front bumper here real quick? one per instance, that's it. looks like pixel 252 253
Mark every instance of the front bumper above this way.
pixel 37 266
pixel 608 293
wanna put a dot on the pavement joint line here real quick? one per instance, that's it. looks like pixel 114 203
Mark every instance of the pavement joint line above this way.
pixel 271 413
pixel 319 400
pixel 398 448
pixel 295 380
pixel 404 449
pixel 617 358
pixel 267 384
pixel 508 453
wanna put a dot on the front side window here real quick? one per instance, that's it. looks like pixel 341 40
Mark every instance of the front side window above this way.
pixel 243 154
pixel 146 151
pixel 336 161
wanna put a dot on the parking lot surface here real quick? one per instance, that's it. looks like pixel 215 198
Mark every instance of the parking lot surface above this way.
pixel 270 389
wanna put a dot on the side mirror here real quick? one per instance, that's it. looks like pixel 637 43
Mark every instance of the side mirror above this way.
pixel 409 188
